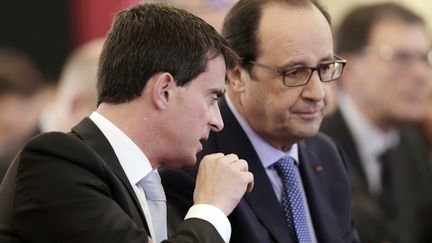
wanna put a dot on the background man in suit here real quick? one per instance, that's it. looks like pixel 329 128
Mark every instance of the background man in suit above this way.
pixel 22 96
pixel 157 99
pixel 272 109
pixel 75 95
pixel 384 86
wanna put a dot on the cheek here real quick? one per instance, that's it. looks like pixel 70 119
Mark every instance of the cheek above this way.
pixel 198 116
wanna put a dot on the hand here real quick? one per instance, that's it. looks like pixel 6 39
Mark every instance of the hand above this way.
pixel 222 181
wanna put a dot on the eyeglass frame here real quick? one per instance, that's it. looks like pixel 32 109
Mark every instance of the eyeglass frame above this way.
pixel 317 68
pixel 389 54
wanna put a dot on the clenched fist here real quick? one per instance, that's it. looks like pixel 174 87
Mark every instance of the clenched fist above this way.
pixel 222 181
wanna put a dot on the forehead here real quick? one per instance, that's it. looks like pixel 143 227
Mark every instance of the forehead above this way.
pixel 285 31
pixel 399 34
pixel 213 77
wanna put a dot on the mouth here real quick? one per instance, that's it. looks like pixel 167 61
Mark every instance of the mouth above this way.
pixel 201 143
pixel 310 115
pixel 203 140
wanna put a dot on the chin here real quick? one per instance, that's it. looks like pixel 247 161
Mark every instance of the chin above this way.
pixel 308 131
pixel 187 162
pixel 180 162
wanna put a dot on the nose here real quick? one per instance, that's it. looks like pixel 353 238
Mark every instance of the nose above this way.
pixel 216 123
pixel 422 69
pixel 314 89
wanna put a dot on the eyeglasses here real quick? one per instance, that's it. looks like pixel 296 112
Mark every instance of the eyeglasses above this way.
pixel 293 77
pixel 401 58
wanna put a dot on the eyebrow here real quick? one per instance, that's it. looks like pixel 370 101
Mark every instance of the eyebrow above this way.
pixel 301 63
pixel 219 92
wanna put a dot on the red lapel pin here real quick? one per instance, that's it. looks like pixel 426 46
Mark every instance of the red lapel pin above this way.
pixel 318 168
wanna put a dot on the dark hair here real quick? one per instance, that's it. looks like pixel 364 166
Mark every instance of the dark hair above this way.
pixel 18 73
pixel 241 25
pixel 151 38
pixel 354 30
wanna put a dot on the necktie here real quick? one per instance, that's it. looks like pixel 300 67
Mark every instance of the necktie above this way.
pixel 387 195
pixel 292 200
pixel 156 202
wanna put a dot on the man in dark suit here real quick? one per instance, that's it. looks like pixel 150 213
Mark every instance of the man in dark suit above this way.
pixel 272 109
pixel 384 88
pixel 157 99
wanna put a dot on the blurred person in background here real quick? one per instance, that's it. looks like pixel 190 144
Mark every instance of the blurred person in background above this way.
pixel 22 96
pixel 425 125
pixel 212 11
pixel 76 93
pixel 384 90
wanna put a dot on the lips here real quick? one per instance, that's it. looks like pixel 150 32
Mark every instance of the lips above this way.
pixel 203 139
pixel 309 114
pixel 310 110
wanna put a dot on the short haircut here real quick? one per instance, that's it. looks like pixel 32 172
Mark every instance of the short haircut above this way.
pixel 353 33
pixel 151 38
pixel 240 26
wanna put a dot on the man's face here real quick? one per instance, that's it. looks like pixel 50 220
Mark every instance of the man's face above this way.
pixel 18 119
pixel 390 81
pixel 196 112
pixel 288 37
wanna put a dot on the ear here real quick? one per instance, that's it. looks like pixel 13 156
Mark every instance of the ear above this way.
pixel 163 88
pixel 237 79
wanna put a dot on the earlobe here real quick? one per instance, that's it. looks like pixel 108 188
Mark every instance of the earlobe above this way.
pixel 164 85
pixel 236 79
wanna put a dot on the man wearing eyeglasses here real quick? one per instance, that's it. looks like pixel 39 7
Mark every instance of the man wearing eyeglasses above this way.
pixel 272 111
pixel 385 87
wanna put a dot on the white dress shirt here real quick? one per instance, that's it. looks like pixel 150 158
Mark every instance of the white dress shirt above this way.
pixel 269 155
pixel 136 166
pixel 370 141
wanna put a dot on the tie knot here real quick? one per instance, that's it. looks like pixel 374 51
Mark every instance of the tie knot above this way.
pixel 284 162
pixel 285 167
pixel 152 187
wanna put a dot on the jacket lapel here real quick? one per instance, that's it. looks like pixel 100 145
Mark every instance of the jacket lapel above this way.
pixel 316 189
pixel 91 135
pixel 336 127
pixel 262 199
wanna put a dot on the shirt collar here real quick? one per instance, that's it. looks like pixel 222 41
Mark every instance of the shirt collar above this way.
pixel 367 136
pixel 133 161
pixel 265 151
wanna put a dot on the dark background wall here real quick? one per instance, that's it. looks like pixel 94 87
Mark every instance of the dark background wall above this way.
pixel 38 28
pixel 49 30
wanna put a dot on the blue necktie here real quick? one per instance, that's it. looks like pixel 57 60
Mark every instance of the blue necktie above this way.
pixel 156 202
pixel 292 200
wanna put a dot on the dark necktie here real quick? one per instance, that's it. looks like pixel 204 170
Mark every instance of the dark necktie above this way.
pixel 292 200
pixel 156 202
pixel 387 197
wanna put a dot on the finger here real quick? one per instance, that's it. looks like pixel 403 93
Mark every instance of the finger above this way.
pixel 241 165
pixel 231 158
pixel 213 156
pixel 251 183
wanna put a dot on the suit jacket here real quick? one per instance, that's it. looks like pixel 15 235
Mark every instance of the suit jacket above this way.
pixel 403 212
pixel 72 188
pixel 8 154
pixel 259 216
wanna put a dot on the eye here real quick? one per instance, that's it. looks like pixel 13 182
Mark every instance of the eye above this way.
pixel 403 57
pixel 326 67
pixel 296 73
pixel 216 95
